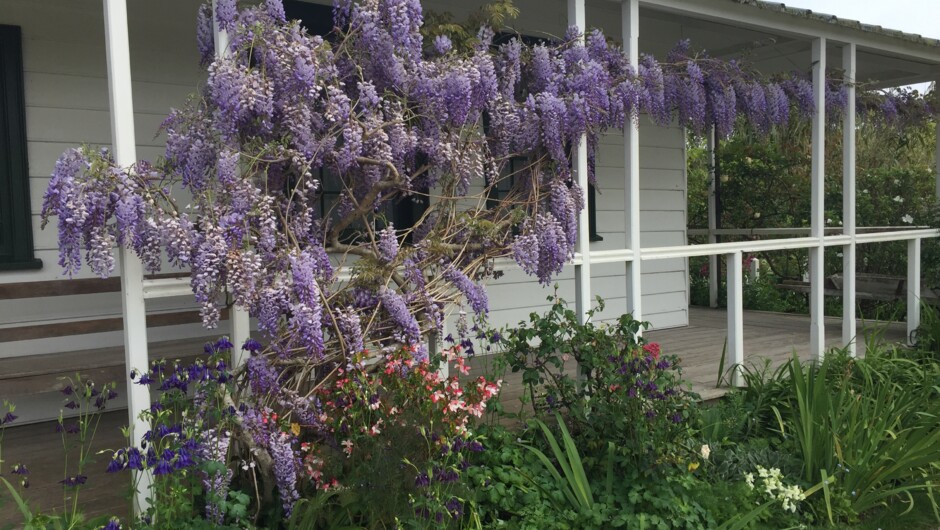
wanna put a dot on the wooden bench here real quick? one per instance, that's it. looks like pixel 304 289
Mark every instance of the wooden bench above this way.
pixel 867 287
pixel 31 374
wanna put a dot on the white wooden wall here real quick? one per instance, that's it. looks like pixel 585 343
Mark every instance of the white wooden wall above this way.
pixel 663 216
pixel 65 76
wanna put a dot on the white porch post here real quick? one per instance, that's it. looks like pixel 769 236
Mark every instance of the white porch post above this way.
pixel 132 273
pixel 913 287
pixel 241 332
pixel 816 268
pixel 582 272
pixel 713 261
pixel 238 316
pixel 220 36
pixel 735 316
pixel 630 14
pixel 849 331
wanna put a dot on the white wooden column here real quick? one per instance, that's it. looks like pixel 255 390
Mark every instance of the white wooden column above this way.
pixel 817 227
pixel 239 319
pixel 713 262
pixel 735 351
pixel 913 288
pixel 241 332
pixel 219 35
pixel 132 272
pixel 849 331
pixel 630 14
pixel 582 272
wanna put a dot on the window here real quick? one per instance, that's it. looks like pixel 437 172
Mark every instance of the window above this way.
pixel 506 181
pixel 403 212
pixel 16 238
pixel 501 190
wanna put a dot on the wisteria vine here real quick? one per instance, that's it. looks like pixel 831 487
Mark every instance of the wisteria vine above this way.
pixel 299 148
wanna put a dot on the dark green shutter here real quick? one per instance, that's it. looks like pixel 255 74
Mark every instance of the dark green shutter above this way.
pixel 16 237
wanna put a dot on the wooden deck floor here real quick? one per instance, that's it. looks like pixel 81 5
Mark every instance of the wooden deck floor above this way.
pixel 772 336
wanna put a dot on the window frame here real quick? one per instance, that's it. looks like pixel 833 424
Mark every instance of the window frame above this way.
pixel 16 233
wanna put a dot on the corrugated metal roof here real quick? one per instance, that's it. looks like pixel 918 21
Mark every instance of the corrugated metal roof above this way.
pixel 832 19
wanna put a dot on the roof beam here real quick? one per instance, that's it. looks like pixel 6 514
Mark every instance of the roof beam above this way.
pixel 786 24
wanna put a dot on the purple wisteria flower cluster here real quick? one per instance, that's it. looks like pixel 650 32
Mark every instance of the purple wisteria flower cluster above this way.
pixel 300 148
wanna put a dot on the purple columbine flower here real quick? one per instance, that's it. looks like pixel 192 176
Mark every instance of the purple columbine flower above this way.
pixel 162 468
pixel 134 459
pixel 252 346
pixel 116 464
pixel 422 480
pixel 71 482
pixel 455 507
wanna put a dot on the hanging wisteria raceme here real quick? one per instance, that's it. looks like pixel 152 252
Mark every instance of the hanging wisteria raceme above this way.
pixel 339 185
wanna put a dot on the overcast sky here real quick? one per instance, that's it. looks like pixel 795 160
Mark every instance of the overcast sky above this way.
pixel 910 16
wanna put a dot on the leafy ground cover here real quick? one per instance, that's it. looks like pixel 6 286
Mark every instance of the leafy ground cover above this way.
pixel 843 443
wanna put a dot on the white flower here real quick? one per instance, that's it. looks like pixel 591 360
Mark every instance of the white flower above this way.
pixel 705 451
pixel 865 190
pixel 907 218
pixel 749 479
pixel 898 199
pixel 897 182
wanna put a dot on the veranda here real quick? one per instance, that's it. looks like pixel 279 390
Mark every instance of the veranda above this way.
pixel 712 330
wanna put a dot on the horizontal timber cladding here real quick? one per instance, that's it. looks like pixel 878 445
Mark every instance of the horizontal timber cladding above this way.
pixel 662 219
pixel 95 325
pixel 65 73
pixel 11 291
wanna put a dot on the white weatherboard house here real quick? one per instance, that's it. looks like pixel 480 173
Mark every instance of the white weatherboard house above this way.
pixel 85 72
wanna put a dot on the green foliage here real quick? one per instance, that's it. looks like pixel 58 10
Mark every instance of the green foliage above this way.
pixel 764 183
pixel 572 480
pixel 495 14
pixel 624 390
pixel 928 333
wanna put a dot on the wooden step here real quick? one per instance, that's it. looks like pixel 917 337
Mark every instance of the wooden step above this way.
pixel 35 374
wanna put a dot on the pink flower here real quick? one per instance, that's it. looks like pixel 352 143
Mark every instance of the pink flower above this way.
pixel 462 366
pixel 652 349
pixel 347 447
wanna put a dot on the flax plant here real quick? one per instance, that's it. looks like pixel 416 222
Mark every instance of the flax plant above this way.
pixel 878 438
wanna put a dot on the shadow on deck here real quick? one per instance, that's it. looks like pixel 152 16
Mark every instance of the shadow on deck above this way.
pixel 772 336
